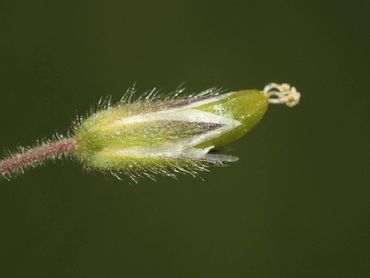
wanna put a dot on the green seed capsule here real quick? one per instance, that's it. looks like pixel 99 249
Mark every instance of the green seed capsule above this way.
pixel 247 107
pixel 173 134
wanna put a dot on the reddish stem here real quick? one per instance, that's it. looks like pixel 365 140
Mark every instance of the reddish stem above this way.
pixel 55 149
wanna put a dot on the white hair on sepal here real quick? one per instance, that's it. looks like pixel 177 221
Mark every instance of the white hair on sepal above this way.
pixel 192 162
pixel 131 95
pixel 104 103
pixel 180 94
pixel 211 92
pixel 177 93
pixel 128 96
pixel 191 167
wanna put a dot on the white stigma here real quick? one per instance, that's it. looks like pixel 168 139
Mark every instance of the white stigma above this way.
pixel 282 94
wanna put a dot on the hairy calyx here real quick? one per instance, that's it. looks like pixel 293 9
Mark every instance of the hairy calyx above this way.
pixel 164 135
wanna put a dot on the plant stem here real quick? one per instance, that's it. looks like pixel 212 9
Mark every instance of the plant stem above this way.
pixel 37 154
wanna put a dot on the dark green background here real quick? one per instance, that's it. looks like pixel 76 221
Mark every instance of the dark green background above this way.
pixel 295 205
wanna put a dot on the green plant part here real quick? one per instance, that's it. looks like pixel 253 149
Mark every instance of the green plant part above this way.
pixel 160 135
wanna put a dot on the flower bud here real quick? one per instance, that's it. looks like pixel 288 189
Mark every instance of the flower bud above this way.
pixel 169 135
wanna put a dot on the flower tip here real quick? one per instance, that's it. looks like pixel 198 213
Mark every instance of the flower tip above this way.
pixel 282 94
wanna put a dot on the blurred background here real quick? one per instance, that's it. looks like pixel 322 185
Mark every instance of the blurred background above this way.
pixel 295 205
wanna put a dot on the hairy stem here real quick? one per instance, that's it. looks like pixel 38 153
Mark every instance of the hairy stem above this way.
pixel 38 154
